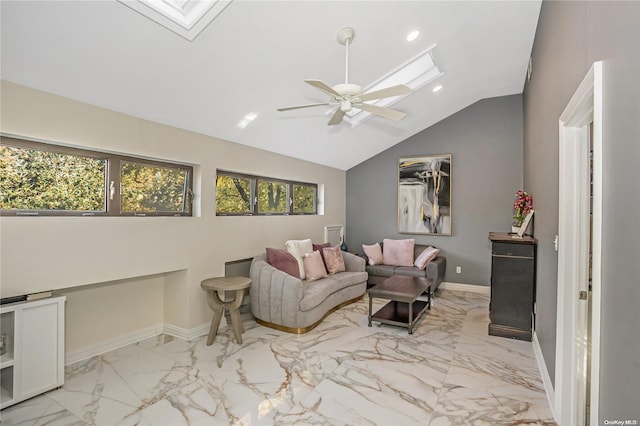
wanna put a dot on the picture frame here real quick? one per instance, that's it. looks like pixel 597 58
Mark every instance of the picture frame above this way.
pixel 525 223
pixel 424 195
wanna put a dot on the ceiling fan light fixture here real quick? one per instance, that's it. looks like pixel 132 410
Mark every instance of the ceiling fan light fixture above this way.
pixel 348 95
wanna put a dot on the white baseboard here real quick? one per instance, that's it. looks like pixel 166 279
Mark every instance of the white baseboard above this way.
pixel 465 287
pixel 183 333
pixel 542 366
pixel 111 344
pixel 99 348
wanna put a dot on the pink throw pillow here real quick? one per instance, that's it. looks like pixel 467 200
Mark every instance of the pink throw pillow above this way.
pixel 426 256
pixel 398 252
pixel 333 259
pixel 313 266
pixel 374 253
pixel 284 261
pixel 319 247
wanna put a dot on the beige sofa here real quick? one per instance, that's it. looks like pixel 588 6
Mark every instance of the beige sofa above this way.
pixel 287 303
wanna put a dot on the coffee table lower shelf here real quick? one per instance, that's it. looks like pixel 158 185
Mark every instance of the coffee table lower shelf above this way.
pixel 397 313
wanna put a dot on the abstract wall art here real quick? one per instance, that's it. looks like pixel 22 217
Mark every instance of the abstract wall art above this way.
pixel 424 195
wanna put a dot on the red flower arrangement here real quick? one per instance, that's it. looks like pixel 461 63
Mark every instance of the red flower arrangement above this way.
pixel 521 206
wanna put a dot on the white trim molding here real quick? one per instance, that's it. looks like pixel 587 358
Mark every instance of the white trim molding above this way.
pixel 183 333
pixel 99 348
pixel 473 288
pixel 544 373
pixel 584 108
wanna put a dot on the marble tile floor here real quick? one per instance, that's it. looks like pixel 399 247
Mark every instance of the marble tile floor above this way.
pixel 449 372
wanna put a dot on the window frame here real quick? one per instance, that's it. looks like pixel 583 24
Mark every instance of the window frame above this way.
pixel 254 181
pixel 113 165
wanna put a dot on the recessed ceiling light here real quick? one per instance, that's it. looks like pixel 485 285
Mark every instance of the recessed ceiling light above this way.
pixel 413 35
pixel 437 88
pixel 247 119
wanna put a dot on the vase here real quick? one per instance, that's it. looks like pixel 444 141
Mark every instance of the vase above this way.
pixel 515 229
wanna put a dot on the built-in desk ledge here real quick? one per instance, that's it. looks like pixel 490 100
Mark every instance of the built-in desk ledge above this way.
pixel 26 297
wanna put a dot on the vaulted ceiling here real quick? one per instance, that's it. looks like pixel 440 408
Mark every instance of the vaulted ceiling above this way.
pixel 254 57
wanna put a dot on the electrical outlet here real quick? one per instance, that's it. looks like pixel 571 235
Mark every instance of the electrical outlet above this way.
pixel 458 269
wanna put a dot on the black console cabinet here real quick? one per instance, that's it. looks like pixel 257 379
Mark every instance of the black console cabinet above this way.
pixel 513 286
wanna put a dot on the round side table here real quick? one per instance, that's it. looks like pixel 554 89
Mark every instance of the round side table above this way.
pixel 223 284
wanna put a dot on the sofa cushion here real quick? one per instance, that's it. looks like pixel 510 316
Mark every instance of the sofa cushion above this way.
pixel 426 256
pixel 409 271
pixel 381 270
pixel 283 260
pixel 333 259
pixel 297 248
pixel 318 291
pixel 313 266
pixel 374 253
pixel 398 252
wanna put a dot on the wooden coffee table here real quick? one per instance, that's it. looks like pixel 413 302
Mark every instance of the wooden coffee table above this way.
pixel 404 309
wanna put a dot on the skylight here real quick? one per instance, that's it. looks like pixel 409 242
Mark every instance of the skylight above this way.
pixel 186 18
pixel 416 73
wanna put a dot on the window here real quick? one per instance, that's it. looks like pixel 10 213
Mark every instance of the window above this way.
pixel 239 194
pixel 272 197
pixel 233 195
pixel 45 179
pixel 304 198
pixel 150 188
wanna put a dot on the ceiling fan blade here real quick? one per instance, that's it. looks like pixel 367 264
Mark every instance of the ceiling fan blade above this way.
pixel 337 117
pixel 388 92
pixel 302 106
pixel 389 113
pixel 324 87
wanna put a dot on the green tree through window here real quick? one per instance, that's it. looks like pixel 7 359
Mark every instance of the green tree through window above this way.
pixel 233 195
pixel 43 180
pixel 149 188
pixel 240 194
pixel 304 198
pixel 272 197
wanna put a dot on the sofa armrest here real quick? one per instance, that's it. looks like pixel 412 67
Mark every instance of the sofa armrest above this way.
pixel 435 270
pixel 352 262
pixel 275 295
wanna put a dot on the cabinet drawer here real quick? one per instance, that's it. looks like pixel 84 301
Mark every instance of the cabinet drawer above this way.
pixel 517 250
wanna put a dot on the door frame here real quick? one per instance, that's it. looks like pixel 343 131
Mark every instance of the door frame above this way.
pixel 573 230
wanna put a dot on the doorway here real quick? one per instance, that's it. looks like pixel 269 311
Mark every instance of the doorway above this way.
pixel 579 255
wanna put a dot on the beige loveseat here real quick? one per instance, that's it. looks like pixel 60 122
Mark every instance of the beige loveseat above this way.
pixel 287 303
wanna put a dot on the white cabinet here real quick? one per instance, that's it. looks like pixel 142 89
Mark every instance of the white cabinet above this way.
pixel 33 361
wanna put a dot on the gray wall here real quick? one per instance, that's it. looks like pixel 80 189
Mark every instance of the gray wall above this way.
pixel 569 38
pixel 485 140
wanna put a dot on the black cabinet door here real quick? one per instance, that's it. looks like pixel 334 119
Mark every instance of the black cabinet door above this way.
pixel 513 286
pixel 512 291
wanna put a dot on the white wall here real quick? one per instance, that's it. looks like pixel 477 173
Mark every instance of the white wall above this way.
pixel 44 253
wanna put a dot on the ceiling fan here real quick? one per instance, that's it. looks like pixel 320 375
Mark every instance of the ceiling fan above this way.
pixel 348 95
